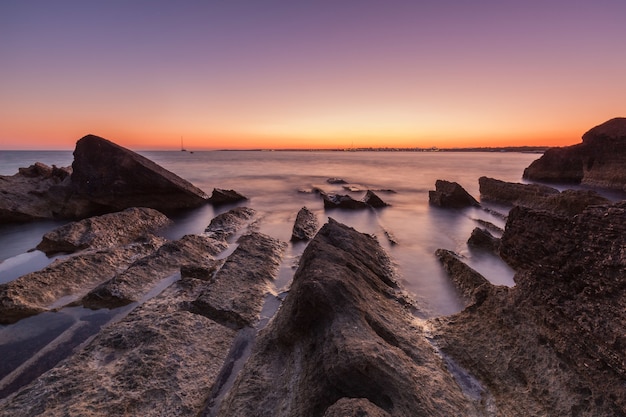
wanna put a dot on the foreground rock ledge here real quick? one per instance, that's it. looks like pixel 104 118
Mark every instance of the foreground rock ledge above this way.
pixel 342 333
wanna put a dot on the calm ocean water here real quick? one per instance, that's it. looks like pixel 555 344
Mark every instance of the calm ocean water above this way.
pixel 278 184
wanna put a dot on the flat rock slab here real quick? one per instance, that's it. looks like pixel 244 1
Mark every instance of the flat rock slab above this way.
pixel 160 360
pixel 133 283
pixel 73 276
pixel 226 224
pixel 108 230
pixel 236 295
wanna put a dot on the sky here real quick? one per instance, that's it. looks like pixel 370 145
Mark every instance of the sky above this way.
pixel 244 74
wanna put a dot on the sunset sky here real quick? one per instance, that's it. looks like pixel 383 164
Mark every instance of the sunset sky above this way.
pixel 312 74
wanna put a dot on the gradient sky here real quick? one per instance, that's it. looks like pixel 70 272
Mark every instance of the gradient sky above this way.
pixel 324 73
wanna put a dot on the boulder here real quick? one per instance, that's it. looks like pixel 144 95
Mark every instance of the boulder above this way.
pixel 220 197
pixel 599 161
pixel 342 334
pixel 305 226
pixel 109 178
pixel 451 194
pixel 347 202
pixel 371 199
pixel 108 230
pixel 336 181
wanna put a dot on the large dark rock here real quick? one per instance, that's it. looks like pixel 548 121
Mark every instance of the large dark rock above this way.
pixel 599 161
pixel 220 197
pixel 342 334
pixel 112 178
pixel 554 343
pixel 104 178
pixel 450 194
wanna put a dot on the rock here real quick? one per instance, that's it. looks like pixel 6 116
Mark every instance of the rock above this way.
pixel 355 407
pixel 132 284
pixel 371 199
pixel 110 178
pixel 104 231
pixel 27 195
pixel 71 277
pixel 220 197
pixel 104 178
pixel 226 224
pixel 346 202
pixel 342 333
pixel 467 280
pixel 305 226
pixel 342 201
pixel 568 202
pixel 336 181
pixel 483 239
pixel 235 298
pixel 451 194
pixel 160 360
pixel 599 161
pixel 510 193
pixel 554 343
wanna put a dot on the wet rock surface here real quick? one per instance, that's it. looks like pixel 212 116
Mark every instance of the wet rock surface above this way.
pixel 226 224
pixel 450 194
pixel 553 344
pixel 342 201
pixel 342 333
pixel 90 187
pixel 221 197
pixel 599 161
pixel 104 231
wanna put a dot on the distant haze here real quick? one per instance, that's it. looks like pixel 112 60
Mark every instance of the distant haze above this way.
pixel 309 74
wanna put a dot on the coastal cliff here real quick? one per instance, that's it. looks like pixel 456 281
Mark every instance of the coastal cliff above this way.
pixel 599 161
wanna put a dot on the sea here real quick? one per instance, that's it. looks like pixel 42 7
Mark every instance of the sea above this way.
pixel 278 184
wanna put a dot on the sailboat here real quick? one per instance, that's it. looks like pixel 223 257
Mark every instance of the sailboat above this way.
pixel 182 148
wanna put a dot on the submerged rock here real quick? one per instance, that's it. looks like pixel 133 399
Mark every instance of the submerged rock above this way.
pixel 342 334
pixel 483 239
pixel 451 194
pixel 467 280
pixel 599 161
pixel 305 226
pixel 104 231
pixel 347 202
pixel 371 199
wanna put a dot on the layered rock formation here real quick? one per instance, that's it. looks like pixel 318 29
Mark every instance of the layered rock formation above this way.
pixel 599 161
pixel 305 226
pixel 567 202
pixel 552 345
pixel 104 178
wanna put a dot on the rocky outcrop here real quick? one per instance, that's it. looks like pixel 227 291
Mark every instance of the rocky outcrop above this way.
pixel 451 194
pixel 599 161
pixel 108 230
pixel 342 338
pixel 373 200
pixel 167 355
pixel 553 344
pixel 305 226
pixel 467 280
pixel 567 202
pixel 104 178
pixel 27 195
